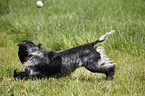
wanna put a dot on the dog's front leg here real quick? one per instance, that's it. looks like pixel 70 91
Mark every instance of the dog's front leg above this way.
pixel 27 74
pixel 22 74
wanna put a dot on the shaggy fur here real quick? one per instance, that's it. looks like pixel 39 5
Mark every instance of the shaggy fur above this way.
pixel 44 63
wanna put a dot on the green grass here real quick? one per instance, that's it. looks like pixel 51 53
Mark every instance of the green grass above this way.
pixel 62 24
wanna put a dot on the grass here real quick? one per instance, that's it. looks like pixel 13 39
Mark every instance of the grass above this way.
pixel 62 24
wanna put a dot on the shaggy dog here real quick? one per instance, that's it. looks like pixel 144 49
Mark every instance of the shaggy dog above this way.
pixel 43 63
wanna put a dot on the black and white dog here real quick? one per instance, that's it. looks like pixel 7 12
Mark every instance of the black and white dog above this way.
pixel 43 63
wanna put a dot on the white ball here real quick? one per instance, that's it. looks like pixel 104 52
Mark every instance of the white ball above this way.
pixel 39 4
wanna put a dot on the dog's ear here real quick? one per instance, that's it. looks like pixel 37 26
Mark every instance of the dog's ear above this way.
pixel 22 53
pixel 39 45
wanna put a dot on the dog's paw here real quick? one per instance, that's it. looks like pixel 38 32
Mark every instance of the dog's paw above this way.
pixel 109 78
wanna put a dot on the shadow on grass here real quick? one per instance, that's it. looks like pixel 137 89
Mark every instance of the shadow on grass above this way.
pixel 68 77
pixel 91 79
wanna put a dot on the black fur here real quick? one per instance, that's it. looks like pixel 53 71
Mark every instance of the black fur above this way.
pixel 44 63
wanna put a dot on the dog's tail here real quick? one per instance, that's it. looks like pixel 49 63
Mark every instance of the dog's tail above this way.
pixel 102 38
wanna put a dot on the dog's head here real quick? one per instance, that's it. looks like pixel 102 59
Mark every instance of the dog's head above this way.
pixel 25 48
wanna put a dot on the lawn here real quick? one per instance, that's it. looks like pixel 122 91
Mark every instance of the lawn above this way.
pixel 62 24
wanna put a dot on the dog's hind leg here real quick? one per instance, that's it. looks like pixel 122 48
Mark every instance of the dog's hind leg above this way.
pixel 109 74
pixel 108 70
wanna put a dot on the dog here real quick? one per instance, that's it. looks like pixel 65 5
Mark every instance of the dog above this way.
pixel 43 63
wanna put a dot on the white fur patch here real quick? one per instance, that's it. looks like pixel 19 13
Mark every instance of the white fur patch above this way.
pixel 104 62
pixel 37 53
